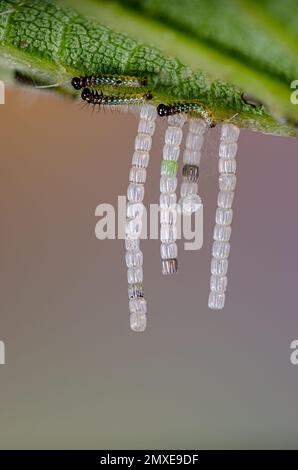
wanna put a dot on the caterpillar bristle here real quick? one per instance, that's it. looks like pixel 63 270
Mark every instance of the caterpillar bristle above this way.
pixel 194 108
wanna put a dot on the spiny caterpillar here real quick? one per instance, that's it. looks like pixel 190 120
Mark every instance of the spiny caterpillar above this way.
pixel 107 80
pixel 195 108
pixel 94 97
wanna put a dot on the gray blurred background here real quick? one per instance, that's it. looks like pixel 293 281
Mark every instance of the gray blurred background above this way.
pixel 76 376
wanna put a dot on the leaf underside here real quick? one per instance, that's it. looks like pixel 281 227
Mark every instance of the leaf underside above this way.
pixel 241 44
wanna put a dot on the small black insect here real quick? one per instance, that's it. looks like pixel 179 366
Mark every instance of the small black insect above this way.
pixel 251 100
pixel 195 108
pixel 23 79
pixel 107 80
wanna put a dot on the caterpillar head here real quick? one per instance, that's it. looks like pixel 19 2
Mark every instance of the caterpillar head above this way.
pixel 162 110
pixel 76 83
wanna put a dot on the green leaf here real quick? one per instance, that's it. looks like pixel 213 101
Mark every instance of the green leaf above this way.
pixel 242 43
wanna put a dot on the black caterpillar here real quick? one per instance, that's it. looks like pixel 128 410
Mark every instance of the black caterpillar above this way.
pixel 95 97
pixel 195 108
pixel 107 80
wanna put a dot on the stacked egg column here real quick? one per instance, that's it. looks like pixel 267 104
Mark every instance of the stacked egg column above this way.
pixel 224 215
pixel 134 213
pixel 190 201
pixel 168 197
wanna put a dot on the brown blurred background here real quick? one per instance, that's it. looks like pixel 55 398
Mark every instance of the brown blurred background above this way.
pixel 76 376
